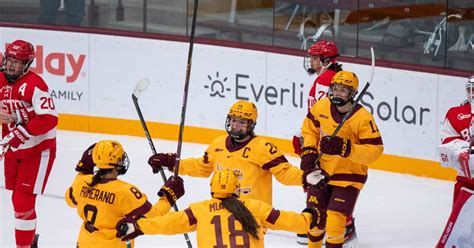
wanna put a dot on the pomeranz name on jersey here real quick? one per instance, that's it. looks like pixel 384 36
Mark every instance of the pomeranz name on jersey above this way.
pixel 97 194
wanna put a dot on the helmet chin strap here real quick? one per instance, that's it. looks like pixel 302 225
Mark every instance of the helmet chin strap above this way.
pixel 323 68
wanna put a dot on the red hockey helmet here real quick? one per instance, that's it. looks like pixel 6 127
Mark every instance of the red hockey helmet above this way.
pixel 21 50
pixel 326 51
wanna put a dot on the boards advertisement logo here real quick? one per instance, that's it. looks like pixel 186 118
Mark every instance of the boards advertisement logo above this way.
pixel 242 87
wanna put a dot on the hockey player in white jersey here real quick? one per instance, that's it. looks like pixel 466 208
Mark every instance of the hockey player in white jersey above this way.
pixel 456 152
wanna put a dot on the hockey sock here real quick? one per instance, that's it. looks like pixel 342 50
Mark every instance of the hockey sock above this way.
pixel 25 218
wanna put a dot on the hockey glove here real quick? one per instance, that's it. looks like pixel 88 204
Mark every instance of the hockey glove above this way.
pixel 335 146
pixel 298 144
pixel 86 164
pixel 16 137
pixel 316 218
pixel 160 160
pixel 127 229
pixel 308 158
pixel 173 189
pixel 463 159
pixel 317 178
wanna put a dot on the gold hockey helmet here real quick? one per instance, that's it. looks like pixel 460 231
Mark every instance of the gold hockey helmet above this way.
pixel 109 154
pixel 244 109
pixel 346 79
pixel 224 184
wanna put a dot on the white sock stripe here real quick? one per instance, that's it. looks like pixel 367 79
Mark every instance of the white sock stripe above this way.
pixel 43 166
pixel 25 225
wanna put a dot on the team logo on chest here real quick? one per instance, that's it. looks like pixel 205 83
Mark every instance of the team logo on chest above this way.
pixel 7 92
pixel 463 116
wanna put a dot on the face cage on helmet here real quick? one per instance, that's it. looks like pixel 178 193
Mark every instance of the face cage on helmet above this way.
pixel 13 78
pixel 239 135
pixel 470 90
pixel 339 101
pixel 309 69
pixel 122 165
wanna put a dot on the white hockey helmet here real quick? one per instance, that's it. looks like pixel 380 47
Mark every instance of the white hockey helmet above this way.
pixel 470 89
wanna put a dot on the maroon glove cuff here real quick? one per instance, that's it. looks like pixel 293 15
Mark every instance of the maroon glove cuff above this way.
pixel 160 160
pixel 308 158
pixel 173 189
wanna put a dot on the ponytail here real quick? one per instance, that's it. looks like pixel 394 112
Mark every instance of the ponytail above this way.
pixel 335 67
pixel 98 176
pixel 242 214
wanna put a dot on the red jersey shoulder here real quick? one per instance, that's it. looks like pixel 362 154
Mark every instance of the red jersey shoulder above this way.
pixel 459 113
pixel 325 78
pixel 26 85
pixel 460 117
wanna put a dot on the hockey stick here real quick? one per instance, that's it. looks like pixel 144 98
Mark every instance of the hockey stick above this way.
pixel 357 100
pixel 139 88
pixel 186 88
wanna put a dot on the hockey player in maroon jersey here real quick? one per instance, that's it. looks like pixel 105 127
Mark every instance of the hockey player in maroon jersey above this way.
pixel 456 152
pixel 322 60
pixel 28 146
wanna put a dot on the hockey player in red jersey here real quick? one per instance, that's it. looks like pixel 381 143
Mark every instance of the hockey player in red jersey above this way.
pixel 456 152
pixel 322 60
pixel 28 146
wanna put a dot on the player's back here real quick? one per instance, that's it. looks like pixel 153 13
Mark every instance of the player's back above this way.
pixel 101 207
pixel 217 227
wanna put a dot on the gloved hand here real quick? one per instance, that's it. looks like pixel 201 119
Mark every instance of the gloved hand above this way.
pixel 308 158
pixel 127 229
pixel 463 158
pixel 160 160
pixel 86 164
pixel 173 189
pixel 316 220
pixel 317 178
pixel 16 137
pixel 335 146
pixel 298 144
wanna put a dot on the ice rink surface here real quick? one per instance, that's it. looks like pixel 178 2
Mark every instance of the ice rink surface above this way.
pixel 393 210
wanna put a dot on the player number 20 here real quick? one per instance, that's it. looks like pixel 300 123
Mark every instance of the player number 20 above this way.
pixel 47 103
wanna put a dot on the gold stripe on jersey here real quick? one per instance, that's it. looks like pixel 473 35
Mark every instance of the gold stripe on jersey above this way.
pixel 217 227
pixel 102 206
pixel 360 128
pixel 254 161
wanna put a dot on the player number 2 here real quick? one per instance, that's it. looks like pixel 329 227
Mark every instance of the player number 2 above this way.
pixel 234 234
pixel 273 148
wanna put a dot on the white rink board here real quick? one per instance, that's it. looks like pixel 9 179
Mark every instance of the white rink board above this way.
pixel 409 106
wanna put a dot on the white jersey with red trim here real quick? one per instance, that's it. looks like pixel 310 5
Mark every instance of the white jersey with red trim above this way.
pixel 457 124
pixel 31 104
